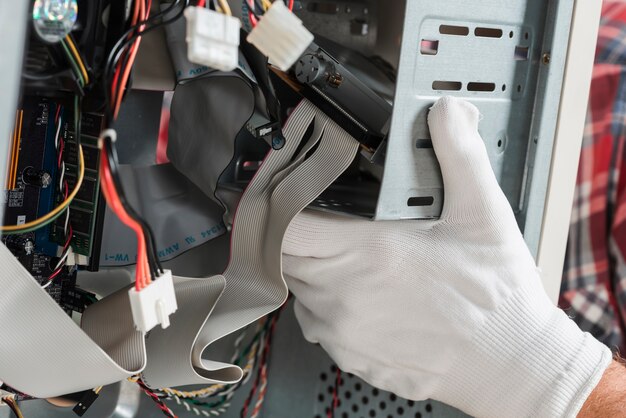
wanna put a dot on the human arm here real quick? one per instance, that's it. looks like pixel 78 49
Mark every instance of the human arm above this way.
pixel 608 399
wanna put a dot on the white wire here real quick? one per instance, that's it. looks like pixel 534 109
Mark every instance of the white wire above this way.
pixel 58 134
pixel 62 260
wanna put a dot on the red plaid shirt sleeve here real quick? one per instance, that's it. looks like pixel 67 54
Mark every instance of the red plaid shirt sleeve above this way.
pixel 593 290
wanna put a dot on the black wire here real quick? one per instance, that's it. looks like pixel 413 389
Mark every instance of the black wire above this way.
pixel 111 152
pixel 153 259
pixel 259 7
pixel 125 41
pixel 154 267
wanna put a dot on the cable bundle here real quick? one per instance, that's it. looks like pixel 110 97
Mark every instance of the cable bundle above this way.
pixel 123 54
pixel 254 9
pixel 148 264
pixel 12 404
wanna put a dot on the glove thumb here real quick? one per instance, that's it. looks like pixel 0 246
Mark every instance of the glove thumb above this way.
pixel 469 182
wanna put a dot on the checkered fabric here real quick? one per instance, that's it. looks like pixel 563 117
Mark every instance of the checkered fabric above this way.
pixel 593 291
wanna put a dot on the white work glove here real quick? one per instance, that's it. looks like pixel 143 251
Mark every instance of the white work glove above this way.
pixel 452 309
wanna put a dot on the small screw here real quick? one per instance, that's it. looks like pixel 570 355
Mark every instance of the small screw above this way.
pixel 546 58
pixel 278 142
pixel 335 80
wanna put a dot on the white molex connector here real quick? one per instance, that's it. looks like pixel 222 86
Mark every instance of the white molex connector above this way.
pixel 212 38
pixel 5 394
pixel 154 303
pixel 281 36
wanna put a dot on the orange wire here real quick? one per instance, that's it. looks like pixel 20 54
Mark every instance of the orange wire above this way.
pixel 114 89
pixel 113 200
pixel 144 13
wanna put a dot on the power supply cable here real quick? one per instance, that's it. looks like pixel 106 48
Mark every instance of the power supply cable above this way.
pixel 109 157
pixel 121 48
pixel 142 274
pixel 12 404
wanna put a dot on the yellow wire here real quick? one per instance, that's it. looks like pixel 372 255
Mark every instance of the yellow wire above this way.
pixel 58 209
pixel 97 390
pixel 225 7
pixel 266 4
pixel 18 411
pixel 81 65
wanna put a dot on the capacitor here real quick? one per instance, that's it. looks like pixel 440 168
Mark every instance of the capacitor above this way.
pixel 20 244
pixel 53 20
pixel 38 178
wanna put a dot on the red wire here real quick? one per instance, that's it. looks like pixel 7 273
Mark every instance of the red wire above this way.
pixel 291 5
pixel 114 202
pixel 55 274
pixel 61 147
pixel 335 401
pixel 160 404
pixel 144 13
pixel 201 3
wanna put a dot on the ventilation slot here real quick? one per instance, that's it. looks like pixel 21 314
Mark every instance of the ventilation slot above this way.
pixel 428 47
pixel 423 143
pixel 488 32
pixel 420 201
pixel 521 53
pixel 481 86
pixel 447 85
pixel 454 30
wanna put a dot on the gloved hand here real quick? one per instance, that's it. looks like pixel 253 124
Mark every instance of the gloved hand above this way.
pixel 452 309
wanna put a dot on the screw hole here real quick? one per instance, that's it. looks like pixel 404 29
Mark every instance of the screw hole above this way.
pixel 526 35
pixel 504 87
pixel 511 34
pixel 519 88
pixel 499 143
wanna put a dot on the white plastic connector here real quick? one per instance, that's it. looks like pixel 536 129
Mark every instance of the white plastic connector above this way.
pixel 212 38
pixel 5 394
pixel 154 304
pixel 281 36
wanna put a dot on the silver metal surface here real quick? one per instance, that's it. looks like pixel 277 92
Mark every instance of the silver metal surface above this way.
pixel 492 54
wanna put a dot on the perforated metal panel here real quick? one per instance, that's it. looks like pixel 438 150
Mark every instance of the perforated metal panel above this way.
pixel 505 57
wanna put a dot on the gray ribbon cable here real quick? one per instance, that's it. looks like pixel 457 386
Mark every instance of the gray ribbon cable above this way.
pixel 209 308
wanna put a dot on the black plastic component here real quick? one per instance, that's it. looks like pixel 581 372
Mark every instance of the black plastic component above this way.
pixel 77 300
pixel 258 64
pixel 85 403
pixel 38 178
pixel 341 96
